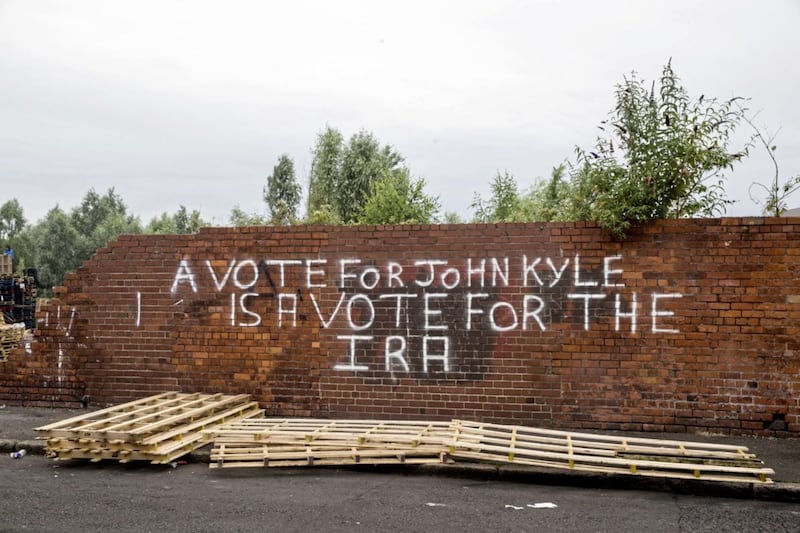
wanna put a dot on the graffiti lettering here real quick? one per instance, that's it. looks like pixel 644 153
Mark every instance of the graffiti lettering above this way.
pixel 413 307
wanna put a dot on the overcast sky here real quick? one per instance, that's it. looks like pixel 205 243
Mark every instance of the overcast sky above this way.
pixel 192 102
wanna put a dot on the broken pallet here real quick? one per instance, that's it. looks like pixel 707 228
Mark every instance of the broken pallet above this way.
pixel 11 335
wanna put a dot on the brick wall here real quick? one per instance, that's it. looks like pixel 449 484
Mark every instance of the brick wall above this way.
pixel 688 325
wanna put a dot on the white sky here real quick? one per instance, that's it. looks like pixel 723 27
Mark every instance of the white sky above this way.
pixel 192 102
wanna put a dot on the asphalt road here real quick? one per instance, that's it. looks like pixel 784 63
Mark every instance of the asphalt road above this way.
pixel 37 494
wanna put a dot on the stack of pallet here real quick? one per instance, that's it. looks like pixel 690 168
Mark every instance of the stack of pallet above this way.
pixel 306 442
pixel 11 336
pixel 260 442
pixel 493 443
pixel 164 427
pixel 158 428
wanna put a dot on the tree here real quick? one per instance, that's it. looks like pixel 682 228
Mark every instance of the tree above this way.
pixel 282 192
pixel 12 219
pixel 240 218
pixel 364 162
pixel 12 226
pixel 502 205
pixel 179 223
pixel 186 222
pixel 398 199
pixel 342 175
pixel 777 193
pixel 663 155
pixel 325 167
pixel 61 242
pixel 56 245
pixel 547 200
pixel 100 219
pixel 451 217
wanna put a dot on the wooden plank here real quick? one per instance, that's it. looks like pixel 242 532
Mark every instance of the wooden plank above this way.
pixel 209 425
pixel 651 446
pixel 157 416
pixel 502 453
pixel 324 462
pixel 600 438
pixel 336 432
pixel 189 413
pixel 269 456
pixel 626 471
pixel 195 436
pixel 69 422
pixel 160 419
pixel 96 424
pixel 583 447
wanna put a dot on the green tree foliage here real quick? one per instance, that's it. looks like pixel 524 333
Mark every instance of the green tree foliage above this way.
pixel 364 162
pixel 663 154
pixel 240 218
pixel 57 247
pixel 451 217
pixel 343 175
pixel 323 216
pixel 179 223
pixel 12 224
pixel 548 200
pixel 775 201
pixel 60 242
pixel 12 219
pixel 399 199
pixel 326 165
pixel 502 206
pixel 100 219
pixel 282 192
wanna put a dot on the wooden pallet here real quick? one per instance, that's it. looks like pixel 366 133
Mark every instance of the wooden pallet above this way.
pixel 258 442
pixel 236 455
pixel 164 427
pixel 11 335
pixel 6 265
pixel 158 428
pixel 496 443
pixel 307 442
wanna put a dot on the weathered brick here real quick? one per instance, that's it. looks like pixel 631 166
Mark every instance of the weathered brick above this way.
pixel 715 304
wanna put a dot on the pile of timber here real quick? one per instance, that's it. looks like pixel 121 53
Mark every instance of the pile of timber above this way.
pixel 267 442
pixel 158 428
pixel 521 445
pixel 315 442
pixel 10 337
pixel 164 427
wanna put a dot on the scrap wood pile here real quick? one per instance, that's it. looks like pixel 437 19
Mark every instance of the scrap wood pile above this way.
pixel 268 442
pixel 158 428
pixel 10 337
pixel 164 427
